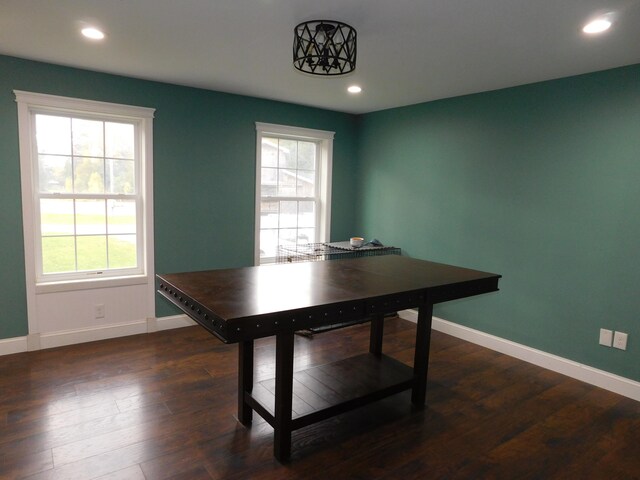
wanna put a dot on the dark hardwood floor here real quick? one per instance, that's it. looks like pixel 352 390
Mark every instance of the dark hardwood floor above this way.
pixel 163 405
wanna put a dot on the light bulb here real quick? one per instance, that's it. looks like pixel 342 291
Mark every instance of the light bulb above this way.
pixel 92 33
pixel 597 26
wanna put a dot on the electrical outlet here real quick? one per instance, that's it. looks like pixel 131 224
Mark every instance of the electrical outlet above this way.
pixel 98 310
pixel 606 337
pixel 620 340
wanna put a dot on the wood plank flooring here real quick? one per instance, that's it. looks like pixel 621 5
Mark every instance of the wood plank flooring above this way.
pixel 163 406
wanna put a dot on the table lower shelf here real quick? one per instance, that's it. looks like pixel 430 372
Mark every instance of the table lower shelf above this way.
pixel 328 390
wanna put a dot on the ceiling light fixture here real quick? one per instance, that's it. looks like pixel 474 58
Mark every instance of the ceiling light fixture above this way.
pixel 92 33
pixel 598 25
pixel 324 47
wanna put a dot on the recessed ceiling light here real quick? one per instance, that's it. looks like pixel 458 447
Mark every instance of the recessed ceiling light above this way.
pixel 598 25
pixel 92 33
pixel 354 89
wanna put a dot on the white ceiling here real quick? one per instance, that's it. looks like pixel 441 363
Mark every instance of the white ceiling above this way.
pixel 409 51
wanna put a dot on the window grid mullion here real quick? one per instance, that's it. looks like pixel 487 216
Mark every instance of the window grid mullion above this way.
pixel 104 156
pixel 276 198
pixel 73 158
pixel 75 234
pixel 105 201
pixel 279 217
pixel 297 217
pixel 89 196
pixel 317 205
pixel 106 229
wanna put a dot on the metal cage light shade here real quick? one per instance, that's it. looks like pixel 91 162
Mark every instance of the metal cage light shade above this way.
pixel 324 47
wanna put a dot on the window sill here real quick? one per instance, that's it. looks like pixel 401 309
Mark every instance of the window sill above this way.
pixel 75 285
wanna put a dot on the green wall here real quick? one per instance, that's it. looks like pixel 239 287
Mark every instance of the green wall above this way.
pixel 204 170
pixel 539 183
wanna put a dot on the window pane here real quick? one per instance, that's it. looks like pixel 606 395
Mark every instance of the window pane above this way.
pixel 288 214
pixel 90 217
pixel 54 174
pixel 88 139
pixel 306 214
pixel 268 243
pixel 92 252
pixel 306 183
pixel 269 182
pixel 287 154
pixel 122 251
pixel 88 175
pixel 287 236
pixel 269 214
pixel 269 154
pixel 58 254
pixel 307 155
pixel 119 140
pixel 121 216
pixel 306 235
pixel 56 217
pixel 286 182
pixel 120 176
pixel 53 134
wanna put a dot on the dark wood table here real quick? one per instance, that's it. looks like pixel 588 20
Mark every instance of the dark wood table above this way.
pixel 242 304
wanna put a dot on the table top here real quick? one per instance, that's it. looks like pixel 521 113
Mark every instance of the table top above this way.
pixel 252 302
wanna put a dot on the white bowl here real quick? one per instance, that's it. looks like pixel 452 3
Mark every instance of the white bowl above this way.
pixel 356 242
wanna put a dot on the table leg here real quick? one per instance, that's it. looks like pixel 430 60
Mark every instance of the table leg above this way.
pixel 245 380
pixel 284 396
pixel 375 338
pixel 421 355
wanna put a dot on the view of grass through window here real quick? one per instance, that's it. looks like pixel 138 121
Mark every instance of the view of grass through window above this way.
pixel 87 194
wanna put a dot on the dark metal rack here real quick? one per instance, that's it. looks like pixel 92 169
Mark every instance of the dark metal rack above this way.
pixel 315 252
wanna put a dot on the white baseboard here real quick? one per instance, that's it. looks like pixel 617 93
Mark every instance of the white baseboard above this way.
pixel 175 321
pixel 37 341
pixel 13 345
pixel 600 378
pixel 82 335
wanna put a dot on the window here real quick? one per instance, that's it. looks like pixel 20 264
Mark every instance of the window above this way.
pixel 86 173
pixel 293 188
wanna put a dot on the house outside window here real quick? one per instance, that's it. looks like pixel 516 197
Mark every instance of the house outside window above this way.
pixel 293 188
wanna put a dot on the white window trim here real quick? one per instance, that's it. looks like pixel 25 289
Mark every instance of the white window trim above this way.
pixel 29 102
pixel 324 170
